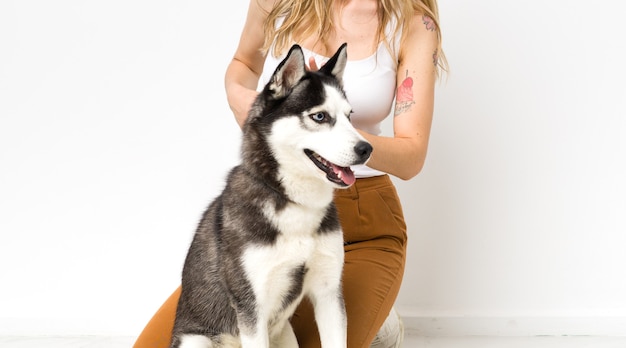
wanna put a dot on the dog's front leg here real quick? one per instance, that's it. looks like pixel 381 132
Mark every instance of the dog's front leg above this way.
pixel 330 315
pixel 326 293
pixel 253 341
pixel 253 334
pixel 286 338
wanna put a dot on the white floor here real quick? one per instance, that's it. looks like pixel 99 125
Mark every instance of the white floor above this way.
pixel 515 342
pixel 410 342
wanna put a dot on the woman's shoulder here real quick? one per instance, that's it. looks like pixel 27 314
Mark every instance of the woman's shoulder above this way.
pixel 421 32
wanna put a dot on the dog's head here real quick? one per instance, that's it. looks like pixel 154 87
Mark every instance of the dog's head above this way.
pixel 299 126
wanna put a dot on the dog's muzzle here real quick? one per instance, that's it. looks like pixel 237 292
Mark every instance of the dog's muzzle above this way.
pixel 343 176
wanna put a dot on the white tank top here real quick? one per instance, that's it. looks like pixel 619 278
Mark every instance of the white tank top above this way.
pixel 370 85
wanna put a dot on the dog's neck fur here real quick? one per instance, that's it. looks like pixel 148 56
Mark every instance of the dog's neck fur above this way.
pixel 306 191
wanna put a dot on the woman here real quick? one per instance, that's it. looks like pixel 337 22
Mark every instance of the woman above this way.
pixel 394 54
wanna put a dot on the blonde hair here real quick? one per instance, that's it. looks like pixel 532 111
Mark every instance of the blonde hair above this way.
pixel 313 18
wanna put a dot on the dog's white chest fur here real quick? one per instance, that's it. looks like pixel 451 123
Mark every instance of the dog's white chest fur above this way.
pixel 295 219
pixel 299 246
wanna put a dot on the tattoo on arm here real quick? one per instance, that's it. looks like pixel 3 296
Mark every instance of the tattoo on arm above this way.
pixel 429 23
pixel 404 95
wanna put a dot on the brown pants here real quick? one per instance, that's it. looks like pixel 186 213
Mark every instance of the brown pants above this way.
pixel 375 253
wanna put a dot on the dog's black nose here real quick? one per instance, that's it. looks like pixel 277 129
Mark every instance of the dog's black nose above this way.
pixel 363 149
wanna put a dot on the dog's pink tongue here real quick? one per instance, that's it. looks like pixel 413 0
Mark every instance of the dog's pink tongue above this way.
pixel 345 174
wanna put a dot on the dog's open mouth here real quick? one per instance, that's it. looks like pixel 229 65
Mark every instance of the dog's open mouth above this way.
pixel 337 174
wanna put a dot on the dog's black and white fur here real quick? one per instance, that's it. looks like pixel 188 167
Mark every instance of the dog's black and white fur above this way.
pixel 272 236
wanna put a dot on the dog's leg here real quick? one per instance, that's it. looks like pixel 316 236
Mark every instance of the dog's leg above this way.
pixel 257 340
pixel 256 336
pixel 326 294
pixel 195 341
pixel 330 316
pixel 286 338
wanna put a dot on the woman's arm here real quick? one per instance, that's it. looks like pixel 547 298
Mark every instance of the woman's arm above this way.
pixel 403 155
pixel 243 72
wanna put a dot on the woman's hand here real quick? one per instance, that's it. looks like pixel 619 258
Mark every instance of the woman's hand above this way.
pixel 241 98
pixel 312 64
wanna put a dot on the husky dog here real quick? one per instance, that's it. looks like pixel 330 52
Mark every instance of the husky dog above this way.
pixel 273 236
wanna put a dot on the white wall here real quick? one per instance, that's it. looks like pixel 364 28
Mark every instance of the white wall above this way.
pixel 521 208
pixel 115 134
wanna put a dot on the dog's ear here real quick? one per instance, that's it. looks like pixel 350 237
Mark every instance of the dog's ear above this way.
pixel 337 63
pixel 288 73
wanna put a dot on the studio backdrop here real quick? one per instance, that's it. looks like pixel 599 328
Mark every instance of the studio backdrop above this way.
pixel 115 134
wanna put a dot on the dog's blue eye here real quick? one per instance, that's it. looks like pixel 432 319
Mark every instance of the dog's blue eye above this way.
pixel 319 117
